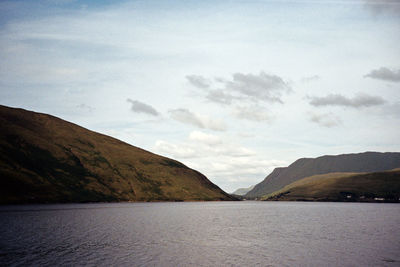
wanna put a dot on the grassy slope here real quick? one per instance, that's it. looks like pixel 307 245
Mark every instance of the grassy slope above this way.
pixel 46 159
pixel 338 186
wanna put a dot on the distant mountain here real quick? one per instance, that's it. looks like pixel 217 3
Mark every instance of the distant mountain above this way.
pixel 305 167
pixel 242 191
pixel 46 159
pixel 362 187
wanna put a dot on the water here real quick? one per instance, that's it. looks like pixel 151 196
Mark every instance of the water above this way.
pixel 201 234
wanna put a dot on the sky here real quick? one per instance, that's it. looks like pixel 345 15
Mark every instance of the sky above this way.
pixel 232 89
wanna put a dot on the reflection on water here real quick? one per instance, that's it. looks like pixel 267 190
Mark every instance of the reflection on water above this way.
pixel 201 234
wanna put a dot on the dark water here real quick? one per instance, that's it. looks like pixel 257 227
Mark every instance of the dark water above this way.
pixel 201 234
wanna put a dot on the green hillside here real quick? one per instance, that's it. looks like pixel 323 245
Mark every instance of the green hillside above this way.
pixel 368 187
pixel 46 159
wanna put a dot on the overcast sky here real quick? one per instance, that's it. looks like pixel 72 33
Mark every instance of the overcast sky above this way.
pixel 230 88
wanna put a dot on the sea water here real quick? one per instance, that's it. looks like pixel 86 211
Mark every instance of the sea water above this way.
pixel 244 233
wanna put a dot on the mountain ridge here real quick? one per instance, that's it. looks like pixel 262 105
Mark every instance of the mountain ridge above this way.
pixel 304 167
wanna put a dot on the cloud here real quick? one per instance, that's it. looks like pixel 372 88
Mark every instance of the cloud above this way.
pixel 359 101
pixel 252 113
pixel 200 145
pixel 224 162
pixel 198 81
pixel 201 121
pixel 236 168
pixel 213 95
pixel 173 150
pixel 309 79
pixel 326 120
pixel 242 87
pixel 378 7
pixel 141 107
pixel 265 87
pixel 85 107
pixel 385 74
pixel 219 96
pixel 204 138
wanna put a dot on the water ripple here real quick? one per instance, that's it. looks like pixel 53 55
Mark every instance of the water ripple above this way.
pixel 200 234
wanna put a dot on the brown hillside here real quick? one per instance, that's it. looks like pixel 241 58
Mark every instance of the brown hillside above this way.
pixel 46 159
pixel 305 167
pixel 363 187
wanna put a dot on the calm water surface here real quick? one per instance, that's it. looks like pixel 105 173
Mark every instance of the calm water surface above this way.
pixel 201 234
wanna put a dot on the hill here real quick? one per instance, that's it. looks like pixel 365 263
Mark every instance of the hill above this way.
pixel 242 191
pixel 305 167
pixel 47 159
pixel 363 187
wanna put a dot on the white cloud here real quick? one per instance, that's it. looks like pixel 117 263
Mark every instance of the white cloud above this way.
pixel 174 151
pixel 309 79
pixel 222 161
pixel 200 121
pixel 252 113
pixel 359 101
pixel 250 87
pixel 220 96
pixel 238 168
pixel 201 137
pixel 200 144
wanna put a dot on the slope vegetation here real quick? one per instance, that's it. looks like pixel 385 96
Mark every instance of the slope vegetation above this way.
pixel 362 162
pixel 377 186
pixel 46 159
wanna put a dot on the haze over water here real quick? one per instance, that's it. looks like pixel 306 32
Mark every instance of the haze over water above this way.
pixel 201 234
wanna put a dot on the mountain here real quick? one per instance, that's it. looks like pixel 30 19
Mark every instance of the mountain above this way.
pixel 44 159
pixel 242 191
pixel 305 167
pixel 363 187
